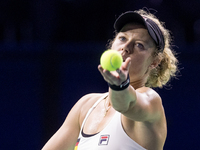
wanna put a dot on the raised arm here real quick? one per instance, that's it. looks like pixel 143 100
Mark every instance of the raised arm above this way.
pixel 141 104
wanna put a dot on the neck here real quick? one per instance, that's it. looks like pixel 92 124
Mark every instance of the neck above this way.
pixel 139 81
pixel 137 84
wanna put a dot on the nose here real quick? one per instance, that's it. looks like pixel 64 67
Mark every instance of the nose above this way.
pixel 124 52
pixel 126 48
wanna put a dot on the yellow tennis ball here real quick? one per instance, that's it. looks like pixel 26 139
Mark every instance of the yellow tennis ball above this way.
pixel 111 60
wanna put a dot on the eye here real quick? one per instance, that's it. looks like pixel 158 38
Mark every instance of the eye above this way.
pixel 140 46
pixel 122 38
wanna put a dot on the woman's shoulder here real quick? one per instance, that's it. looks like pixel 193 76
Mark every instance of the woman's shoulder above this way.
pixel 87 101
pixel 151 96
pixel 148 91
pixel 91 98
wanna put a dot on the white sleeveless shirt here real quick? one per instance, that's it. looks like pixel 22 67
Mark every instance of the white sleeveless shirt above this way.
pixel 112 137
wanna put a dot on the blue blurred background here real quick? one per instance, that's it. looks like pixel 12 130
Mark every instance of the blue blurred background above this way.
pixel 49 53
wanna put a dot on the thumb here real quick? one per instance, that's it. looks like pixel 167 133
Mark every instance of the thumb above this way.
pixel 126 65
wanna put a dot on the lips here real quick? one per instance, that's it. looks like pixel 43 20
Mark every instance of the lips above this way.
pixel 123 59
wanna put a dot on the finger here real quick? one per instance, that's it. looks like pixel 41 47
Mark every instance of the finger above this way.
pixel 100 68
pixel 118 71
pixel 107 73
pixel 112 77
pixel 126 64
pixel 121 74
pixel 108 77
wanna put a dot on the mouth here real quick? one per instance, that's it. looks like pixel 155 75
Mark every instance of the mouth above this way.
pixel 123 59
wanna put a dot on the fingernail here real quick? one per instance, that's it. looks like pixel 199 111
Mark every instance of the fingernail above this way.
pixel 118 70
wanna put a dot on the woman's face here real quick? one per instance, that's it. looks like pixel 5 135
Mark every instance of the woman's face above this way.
pixel 135 42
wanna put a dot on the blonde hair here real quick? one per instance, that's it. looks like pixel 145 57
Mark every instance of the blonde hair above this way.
pixel 168 66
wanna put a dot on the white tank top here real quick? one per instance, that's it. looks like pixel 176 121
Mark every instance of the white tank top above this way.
pixel 112 137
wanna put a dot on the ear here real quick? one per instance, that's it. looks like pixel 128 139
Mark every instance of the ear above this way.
pixel 155 62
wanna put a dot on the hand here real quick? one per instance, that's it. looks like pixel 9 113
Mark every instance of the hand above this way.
pixel 118 76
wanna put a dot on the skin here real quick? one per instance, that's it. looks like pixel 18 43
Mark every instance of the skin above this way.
pixel 143 116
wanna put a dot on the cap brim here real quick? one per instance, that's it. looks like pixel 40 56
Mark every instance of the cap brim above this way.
pixel 128 17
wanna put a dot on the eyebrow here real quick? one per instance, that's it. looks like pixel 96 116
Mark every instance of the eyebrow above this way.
pixel 124 33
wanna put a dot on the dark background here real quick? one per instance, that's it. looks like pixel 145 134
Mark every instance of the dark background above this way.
pixel 49 53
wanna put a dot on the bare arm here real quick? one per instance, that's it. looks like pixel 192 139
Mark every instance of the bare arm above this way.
pixel 65 138
pixel 142 104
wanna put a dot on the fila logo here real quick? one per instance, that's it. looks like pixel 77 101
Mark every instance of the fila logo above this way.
pixel 104 139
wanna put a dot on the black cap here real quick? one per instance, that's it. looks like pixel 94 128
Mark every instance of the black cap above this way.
pixel 152 27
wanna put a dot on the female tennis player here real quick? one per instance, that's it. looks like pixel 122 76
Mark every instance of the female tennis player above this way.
pixel 130 116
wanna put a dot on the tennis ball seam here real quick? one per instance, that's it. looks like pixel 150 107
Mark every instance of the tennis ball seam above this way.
pixel 111 61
